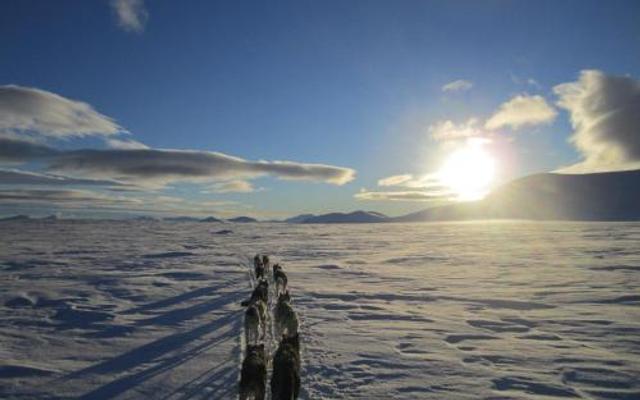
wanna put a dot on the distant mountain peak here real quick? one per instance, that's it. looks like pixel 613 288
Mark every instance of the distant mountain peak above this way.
pixel 210 219
pixel 346 218
pixel 242 219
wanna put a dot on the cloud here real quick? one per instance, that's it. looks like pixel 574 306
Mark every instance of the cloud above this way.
pixel 426 188
pixel 448 130
pixel 395 180
pixel 459 85
pixel 125 144
pixel 16 150
pixel 170 165
pixel 605 115
pixel 159 166
pixel 36 111
pixel 520 111
pixel 524 81
pixel 235 186
pixel 412 195
pixel 132 14
pixel 60 196
pixel 19 177
pixel 409 181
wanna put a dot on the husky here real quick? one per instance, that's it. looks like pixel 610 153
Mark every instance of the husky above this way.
pixel 285 317
pixel 266 264
pixel 285 379
pixel 254 374
pixel 255 322
pixel 261 292
pixel 258 267
pixel 280 279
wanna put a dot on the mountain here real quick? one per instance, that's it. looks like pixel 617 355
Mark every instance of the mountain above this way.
pixel 210 219
pixel 50 218
pixel 347 218
pixel 145 218
pixel 20 217
pixel 608 196
pixel 242 219
pixel 298 218
pixel 181 219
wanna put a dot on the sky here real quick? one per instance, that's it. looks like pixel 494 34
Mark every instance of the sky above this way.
pixel 272 109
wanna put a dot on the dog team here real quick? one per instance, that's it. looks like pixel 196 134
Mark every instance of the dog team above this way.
pixel 285 377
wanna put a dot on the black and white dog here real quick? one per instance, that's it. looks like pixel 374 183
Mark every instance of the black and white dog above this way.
pixel 254 374
pixel 285 380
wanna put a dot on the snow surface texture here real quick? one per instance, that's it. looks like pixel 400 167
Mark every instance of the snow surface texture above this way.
pixel 97 310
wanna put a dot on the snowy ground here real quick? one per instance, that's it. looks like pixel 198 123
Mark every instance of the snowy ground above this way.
pixel 97 310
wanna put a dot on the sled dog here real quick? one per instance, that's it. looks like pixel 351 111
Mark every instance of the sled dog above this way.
pixel 261 292
pixel 255 322
pixel 280 279
pixel 286 320
pixel 253 375
pixel 285 380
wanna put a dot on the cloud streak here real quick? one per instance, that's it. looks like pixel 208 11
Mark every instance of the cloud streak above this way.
pixel 131 14
pixel 60 196
pixel 35 111
pixel 409 195
pixel 170 165
pixel 395 180
pixel 161 166
pixel 235 186
pixel 20 178
pixel 459 85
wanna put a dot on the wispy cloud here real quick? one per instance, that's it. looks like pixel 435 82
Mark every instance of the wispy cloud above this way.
pixel 522 110
pixel 235 186
pixel 131 14
pixel 395 180
pixel 125 144
pixel 408 188
pixel 524 81
pixel 409 195
pixel 459 85
pixel 448 130
pixel 61 196
pixel 605 115
pixel 35 111
pixel 16 177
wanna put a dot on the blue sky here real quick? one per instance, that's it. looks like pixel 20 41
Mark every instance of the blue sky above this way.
pixel 353 84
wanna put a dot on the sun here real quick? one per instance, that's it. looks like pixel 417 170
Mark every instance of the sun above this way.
pixel 468 172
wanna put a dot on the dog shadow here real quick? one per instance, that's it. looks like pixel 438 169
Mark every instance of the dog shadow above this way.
pixel 170 352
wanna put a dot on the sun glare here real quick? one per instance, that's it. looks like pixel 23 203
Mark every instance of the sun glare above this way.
pixel 468 172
